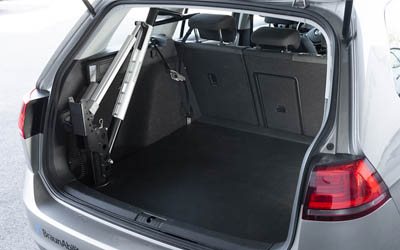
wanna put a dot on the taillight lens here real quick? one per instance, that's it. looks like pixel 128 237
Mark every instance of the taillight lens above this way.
pixel 22 114
pixel 343 192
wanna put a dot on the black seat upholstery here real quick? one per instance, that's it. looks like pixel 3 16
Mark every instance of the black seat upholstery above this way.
pixel 217 71
pixel 306 45
pixel 214 27
pixel 290 87
pixel 276 38
pixel 266 87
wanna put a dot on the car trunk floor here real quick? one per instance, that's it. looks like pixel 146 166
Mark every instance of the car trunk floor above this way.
pixel 220 179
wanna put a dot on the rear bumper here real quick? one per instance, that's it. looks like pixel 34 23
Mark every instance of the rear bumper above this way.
pixel 378 230
pixel 57 225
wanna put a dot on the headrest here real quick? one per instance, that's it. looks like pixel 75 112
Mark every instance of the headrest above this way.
pixel 278 21
pixel 276 37
pixel 209 26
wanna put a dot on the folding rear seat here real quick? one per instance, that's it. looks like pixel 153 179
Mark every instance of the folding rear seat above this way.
pixel 290 87
pixel 216 70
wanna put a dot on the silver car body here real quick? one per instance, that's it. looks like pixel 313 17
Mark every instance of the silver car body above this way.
pixel 373 131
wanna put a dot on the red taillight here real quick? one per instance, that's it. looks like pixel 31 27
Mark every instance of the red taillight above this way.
pixel 21 120
pixel 344 191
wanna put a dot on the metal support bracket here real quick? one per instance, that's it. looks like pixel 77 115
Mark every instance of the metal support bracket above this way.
pixel 176 76
pixel 132 72
pixel 303 4
pixel 98 139
pixel 90 8
pixel 97 96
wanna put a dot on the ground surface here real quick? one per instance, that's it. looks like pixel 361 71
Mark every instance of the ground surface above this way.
pixel 30 31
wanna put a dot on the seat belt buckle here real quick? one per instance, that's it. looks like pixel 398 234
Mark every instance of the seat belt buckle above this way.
pixel 176 76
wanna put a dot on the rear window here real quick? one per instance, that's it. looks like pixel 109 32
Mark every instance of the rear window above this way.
pixel 125 27
pixel 392 19
pixel 117 25
pixel 177 33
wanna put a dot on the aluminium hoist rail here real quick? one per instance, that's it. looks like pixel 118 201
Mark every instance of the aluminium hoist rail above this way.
pixel 99 140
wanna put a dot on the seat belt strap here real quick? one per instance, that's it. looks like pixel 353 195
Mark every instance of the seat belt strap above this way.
pixel 178 77
pixel 173 73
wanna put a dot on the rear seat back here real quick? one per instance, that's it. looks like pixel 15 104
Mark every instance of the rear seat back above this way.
pixel 290 87
pixel 217 71
pixel 266 86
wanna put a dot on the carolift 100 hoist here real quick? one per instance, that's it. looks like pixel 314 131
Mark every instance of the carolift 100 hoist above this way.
pixel 99 140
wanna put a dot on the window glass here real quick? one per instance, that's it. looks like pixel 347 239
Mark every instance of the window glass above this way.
pixel 128 24
pixel 126 27
pixel 113 30
pixel 259 21
pixel 395 53
pixel 176 35
pixel 392 18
